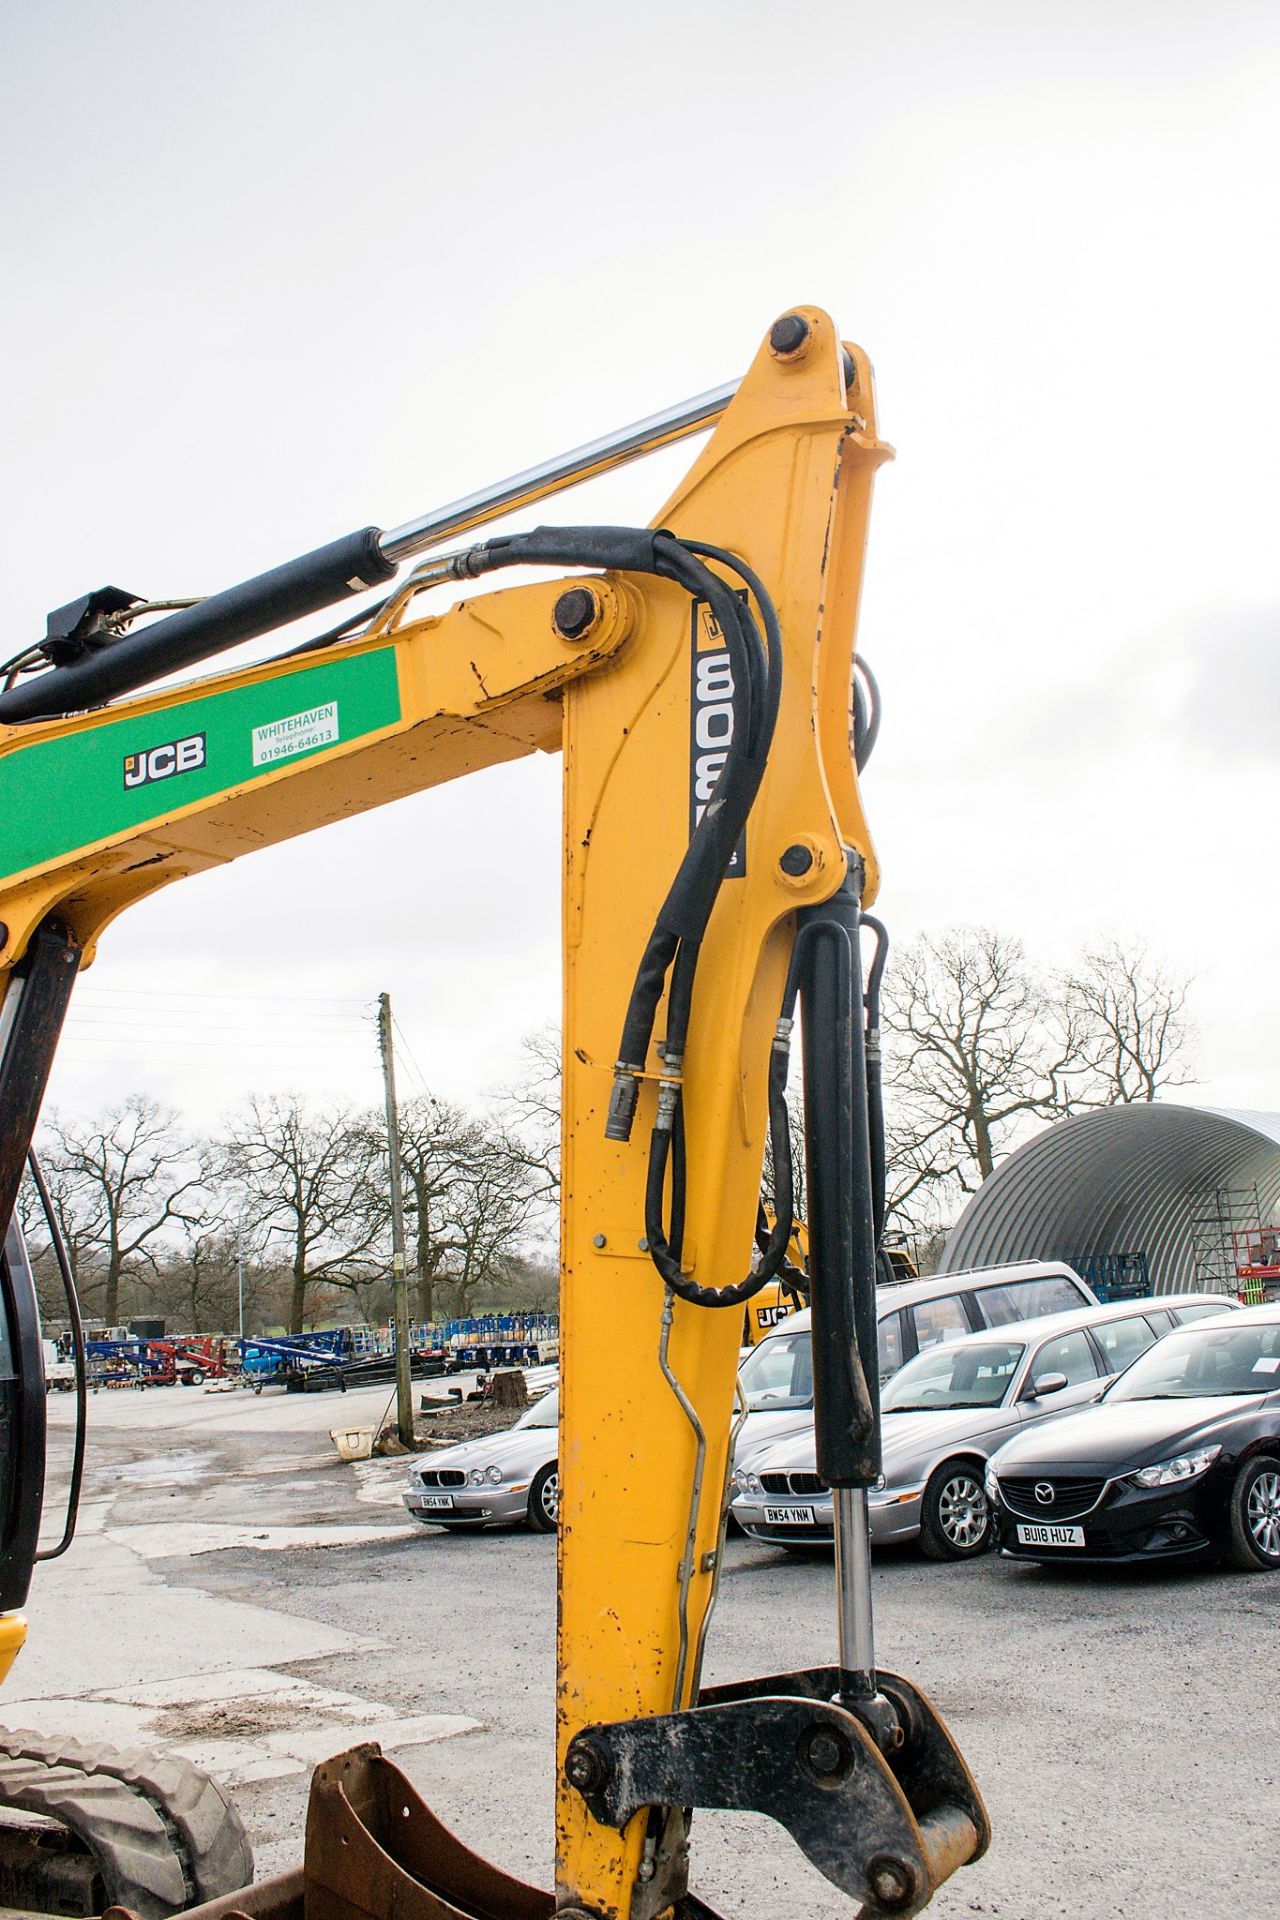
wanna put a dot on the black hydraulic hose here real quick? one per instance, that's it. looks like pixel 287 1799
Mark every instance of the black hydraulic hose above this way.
pixel 679 1186
pixel 687 909
pixel 352 627
pixel 869 733
pixel 768 613
pixel 757 683
pixel 667 1141
pixel 664 1248
pixel 77 1346
pixel 875 1072
pixel 861 720
pixel 680 1003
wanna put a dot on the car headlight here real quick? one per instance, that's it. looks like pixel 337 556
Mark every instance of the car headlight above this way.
pixel 476 1476
pixel 493 1475
pixel 991 1484
pixel 752 1483
pixel 1183 1466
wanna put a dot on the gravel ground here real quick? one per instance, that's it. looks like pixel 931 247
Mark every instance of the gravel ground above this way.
pixel 1123 1728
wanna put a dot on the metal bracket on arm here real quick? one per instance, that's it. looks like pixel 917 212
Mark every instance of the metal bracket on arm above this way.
pixel 887 1830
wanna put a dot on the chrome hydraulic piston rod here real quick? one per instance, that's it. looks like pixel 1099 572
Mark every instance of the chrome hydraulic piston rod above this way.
pixel 94 665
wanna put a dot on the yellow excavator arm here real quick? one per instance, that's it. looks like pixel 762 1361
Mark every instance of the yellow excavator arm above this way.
pixel 699 680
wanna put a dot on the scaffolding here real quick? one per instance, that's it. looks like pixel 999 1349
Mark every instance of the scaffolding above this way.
pixel 1218 1214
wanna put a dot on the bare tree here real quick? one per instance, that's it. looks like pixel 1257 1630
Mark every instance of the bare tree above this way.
pixel 502 1200
pixel 532 1283
pixel 917 1177
pixel 440 1148
pixel 35 1232
pixel 531 1107
pixel 973 1050
pixel 119 1184
pixel 1130 1020
pixel 198 1288
pixel 307 1181
pixel 472 1191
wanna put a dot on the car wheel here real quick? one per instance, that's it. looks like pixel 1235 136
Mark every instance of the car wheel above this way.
pixel 955 1520
pixel 1255 1516
pixel 544 1498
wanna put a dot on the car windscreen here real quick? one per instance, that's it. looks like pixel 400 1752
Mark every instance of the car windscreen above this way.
pixel 1205 1360
pixel 543 1413
pixel 954 1376
pixel 779 1373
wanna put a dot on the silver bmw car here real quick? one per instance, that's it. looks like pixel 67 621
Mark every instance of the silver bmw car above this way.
pixel 945 1413
pixel 499 1478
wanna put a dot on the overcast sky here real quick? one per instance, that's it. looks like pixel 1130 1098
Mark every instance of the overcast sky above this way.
pixel 275 270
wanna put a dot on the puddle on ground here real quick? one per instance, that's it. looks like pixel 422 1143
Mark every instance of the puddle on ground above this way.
pixel 185 1468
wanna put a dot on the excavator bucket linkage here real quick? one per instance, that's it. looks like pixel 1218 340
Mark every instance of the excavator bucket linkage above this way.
pixel 886 1830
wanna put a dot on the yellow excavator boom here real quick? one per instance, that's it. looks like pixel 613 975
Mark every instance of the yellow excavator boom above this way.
pixel 698 680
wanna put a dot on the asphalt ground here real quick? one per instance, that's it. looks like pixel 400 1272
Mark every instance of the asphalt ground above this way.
pixel 239 1594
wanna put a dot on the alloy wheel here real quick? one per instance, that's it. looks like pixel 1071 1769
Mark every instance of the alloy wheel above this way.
pixel 550 1497
pixel 1262 1513
pixel 962 1511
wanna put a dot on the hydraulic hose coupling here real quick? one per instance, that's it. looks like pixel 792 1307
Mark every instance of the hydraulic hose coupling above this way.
pixel 782 1035
pixel 669 1091
pixel 622 1102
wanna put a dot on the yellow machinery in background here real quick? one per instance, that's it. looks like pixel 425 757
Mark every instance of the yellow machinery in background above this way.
pixel 778 1299
pixel 700 680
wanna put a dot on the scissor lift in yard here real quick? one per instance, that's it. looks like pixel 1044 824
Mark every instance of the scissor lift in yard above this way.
pixel 1257 1253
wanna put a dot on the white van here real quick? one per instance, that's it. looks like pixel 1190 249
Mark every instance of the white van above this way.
pixel 58 1372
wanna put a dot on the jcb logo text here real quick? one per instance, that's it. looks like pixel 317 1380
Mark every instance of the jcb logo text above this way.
pixel 161 763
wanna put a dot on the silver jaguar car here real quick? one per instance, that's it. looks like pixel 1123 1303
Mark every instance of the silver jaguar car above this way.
pixel 945 1413
pixel 500 1478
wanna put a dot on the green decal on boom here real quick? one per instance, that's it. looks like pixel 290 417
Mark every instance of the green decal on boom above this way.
pixel 57 796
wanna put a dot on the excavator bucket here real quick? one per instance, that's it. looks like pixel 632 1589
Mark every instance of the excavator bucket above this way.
pixel 374 1848
pixel 374 1851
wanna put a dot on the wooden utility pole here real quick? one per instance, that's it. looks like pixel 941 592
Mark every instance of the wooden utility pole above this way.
pixel 400 1288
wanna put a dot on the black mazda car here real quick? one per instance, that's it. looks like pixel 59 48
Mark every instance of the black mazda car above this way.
pixel 1179 1458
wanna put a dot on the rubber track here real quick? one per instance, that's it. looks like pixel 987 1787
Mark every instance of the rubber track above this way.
pixel 165 1836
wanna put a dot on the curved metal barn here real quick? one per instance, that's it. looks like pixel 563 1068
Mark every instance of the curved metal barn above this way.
pixel 1171 1183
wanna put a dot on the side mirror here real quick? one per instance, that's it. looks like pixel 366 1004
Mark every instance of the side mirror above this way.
pixel 1047 1383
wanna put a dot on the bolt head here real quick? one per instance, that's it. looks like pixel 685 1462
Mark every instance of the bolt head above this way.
pixel 891 1880
pixel 574 613
pixel 585 1769
pixel 796 861
pixel 599 1240
pixel 826 1753
pixel 788 335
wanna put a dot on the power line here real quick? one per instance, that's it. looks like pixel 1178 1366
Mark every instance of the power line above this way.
pixel 91 1024
pixel 152 994
pixel 416 1072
